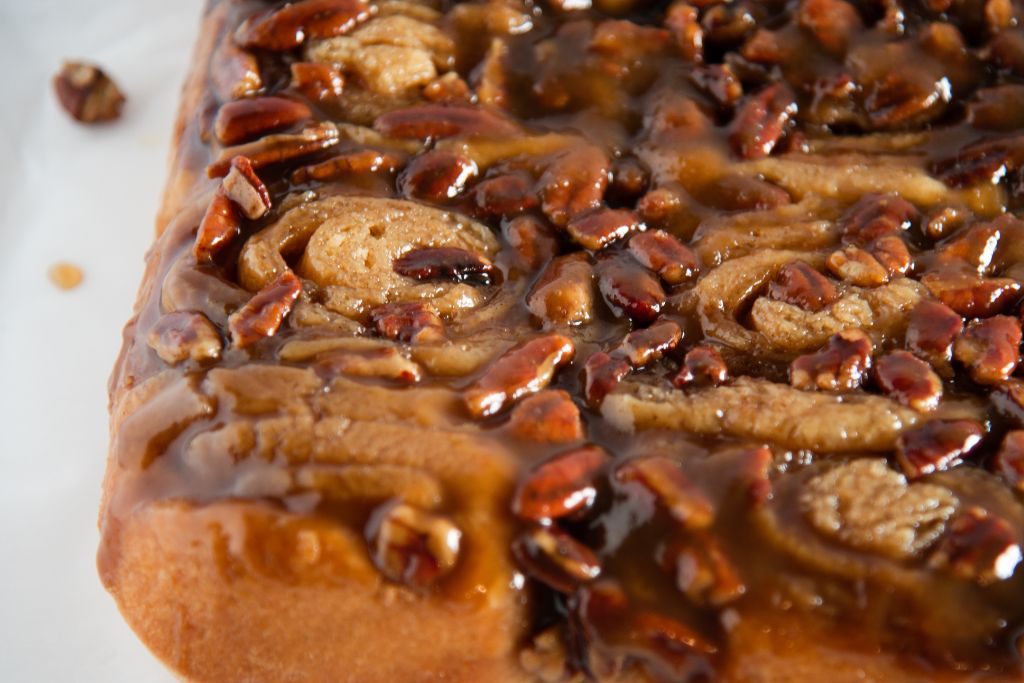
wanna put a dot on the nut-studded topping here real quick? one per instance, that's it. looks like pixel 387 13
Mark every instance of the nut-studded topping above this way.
pixel 317 82
pixel 244 120
pixel 555 558
pixel 411 546
pixel 936 446
pixel 360 161
pixel 647 345
pixel 437 175
pixel 761 120
pixel 909 380
pixel 703 365
pixel 1009 461
pixel 508 194
pixel 703 571
pixel 664 479
pixel 562 485
pixel 414 322
pixel 564 292
pixel 276 148
pixel 242 186
pixel 663 253
pixel 931 331
pixel 87 93
pixel 263 314
pixel 436 121
pixel 289 26
pixel 548 416
pixel 990 348
pixel 857 267
pixel 573 183
pixel 524 369
pixel 602 373
pixel 185 335
pixel 978 547
pixel 874 216
pixel 597 229
pixel 629 289
pixel 801 285
pixel 970 294
pixel 220 225
pixel 533 241
pixel 840 366
pixel 445 263
pixel 387 363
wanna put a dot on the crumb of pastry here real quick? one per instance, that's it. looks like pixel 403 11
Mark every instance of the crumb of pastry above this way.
pixel 65 276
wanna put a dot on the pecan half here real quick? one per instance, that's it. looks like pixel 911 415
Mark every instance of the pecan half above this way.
pixel 663 478
pixel 892 253
pixel 909 380
pixel 411 546
pixel 234 72
pixel 387 363
pixel 548 416
pixel 703 572
pixel 832 23
pixel 555 558
pixel 629 289
pixel 359 161
pixel 703 365
pixel 532 240
pixel 436 121
pixel 87 93
pixel 978 546
pixel 874 216
pixel 1008 399
pixel 682 20
pixel 562 485
pixel 289 26
pixel 673 261
pixel 799 284
pixel 1009 461
pixel 936 446
pixel 989 348
pixel 564 292
pixel 761 119
pixel 574 182
pixel 509 194
pixel 744 193
pixel 597 229
pixel 244 120
pixel 525 369
pixel 414 322
pixel 317 82
pixel 629 180
pixel 602 373
pixel 857 267
pixel 932 328
pixel 276 148
pixel 242 186
pixel 219 225
pixel 437 175
pixel 841 366
pixel 983 162
pixel 649 344
pixel 185 335
pixel 445 263
pixel 263 314
pixel 970 294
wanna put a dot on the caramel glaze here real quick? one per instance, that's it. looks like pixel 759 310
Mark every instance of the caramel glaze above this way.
pixel 621 76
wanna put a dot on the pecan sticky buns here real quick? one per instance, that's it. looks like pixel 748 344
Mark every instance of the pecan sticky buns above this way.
pixel 570 341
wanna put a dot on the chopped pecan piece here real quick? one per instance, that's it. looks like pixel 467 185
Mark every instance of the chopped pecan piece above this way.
pixel 412 546
pixel 892 253
pixel 531 238
pixel 387 363
pixel 931 331
pixel 801 285
pixel 413 322
pixel 978 547
pixel 234 72
pixel 317 82
pixel 990 348
pixel 629 180
pixel 564 292
pixel 276 148
pixel 719 82
pixel 629 289
pixel 185 335
pixel 597 229
pixel 87 93
pixel 665 480
pixel 219 225
pixel 909 380
pixel 548 416
pixel 602 373
pixel 744 193
pixel 683 21
pixel 649 344
pixel 242 186
pixel 970 294
pixel 658 206
pixel 437 175
pixel 1009 461
pixel 524 369
pixel 936 446
pixel 562 485
pixel 360 161
pixel 832 23
pixel 857 267
pixel 436 121
pixel 983 162
pixel 445 263
pixel 840 366
pixel 1008 399
pixel 289 26
pixel 703 365
pixel 555 558
pixel 673 261
pixel 508 194
pixel 573 183
pixel 874 216
pixel 944 221
pixel 761 120
pixel 703 571
pixel 263 314
pixel 244 120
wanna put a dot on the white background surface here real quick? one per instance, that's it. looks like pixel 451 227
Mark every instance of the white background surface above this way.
pixel 88 196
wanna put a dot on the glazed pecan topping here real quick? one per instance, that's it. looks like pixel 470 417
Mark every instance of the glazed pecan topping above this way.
pixel 744 193
pixel 936 446
pixel 683 21
pixel 361 161
pixel 597 229
pixel 944 221
pixel 602 373
pixel 317 82
pixel 524 369
pixel 761 120
pixel 531 238
pixel 243 187
pixel 892 253
pixel 555 558
pixel 87 93
pixel 564 292
pixel 411 546
pixel 970 294
pixel 387 363
pixel 509 194
pixel 436 121
pixel 673 261
pixel 663 478
pixel 445 263
pixel 703 365
pixel 932 328
pixel 832 23
pixel 875 216
pixel 647 345
pixel 276 148
pixel 703 572
pixel 857 267
pixel 978 547
pixel 909 380
pixel 841 366
pixel 629 289
pixel 562 485
pixel 1008 399
pixel 234 72
pixel 437 175
pixel 413 322
pixel 659 206
pixel 574 183
pixel 220 225
pixel 185 335
pixel 244 120
pixel 1009 461
pixel 989 348
pixel 263 314
pixel 629 180
pixel 288 27
pixel 548 416
pixel 801 285
pixel 719 82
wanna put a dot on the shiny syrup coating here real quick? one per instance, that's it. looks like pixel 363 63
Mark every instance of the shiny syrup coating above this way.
pixel 759 139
